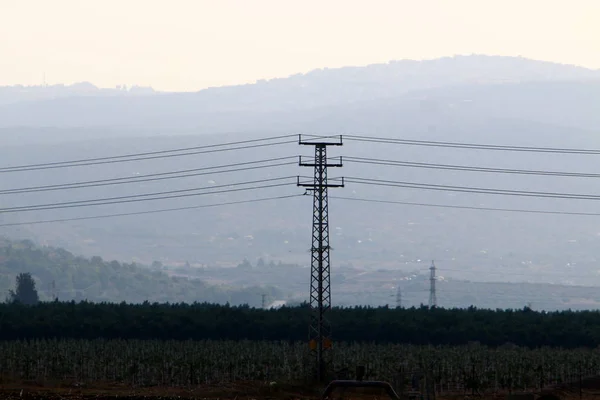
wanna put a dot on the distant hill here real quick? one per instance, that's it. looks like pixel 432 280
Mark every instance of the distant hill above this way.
pixel 71 277
pixel 78 278
pixel 298 98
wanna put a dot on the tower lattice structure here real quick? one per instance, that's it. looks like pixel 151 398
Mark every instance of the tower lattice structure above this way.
pixel 432 295
pixel 320 340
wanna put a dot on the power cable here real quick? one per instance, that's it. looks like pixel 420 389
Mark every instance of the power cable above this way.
pixel 465 207
pixel 144 156
pixel 374 161
pixel 151 211
pixel 495 295
pixel 136 198
pixel 491 294
pixel 469 145
pixel 425 271
pixel 466 189
pixel 148 177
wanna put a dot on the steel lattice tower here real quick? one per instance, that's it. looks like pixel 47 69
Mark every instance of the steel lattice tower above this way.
pixel 320 290
pixel 398 298
pixel 432 296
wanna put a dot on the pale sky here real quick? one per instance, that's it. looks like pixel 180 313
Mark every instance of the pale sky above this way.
pixel 185 45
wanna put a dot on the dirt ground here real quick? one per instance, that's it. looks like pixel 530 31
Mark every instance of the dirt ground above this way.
pixel 99 391
pixel 239 391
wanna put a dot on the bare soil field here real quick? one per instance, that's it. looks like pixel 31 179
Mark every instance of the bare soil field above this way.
pixel 590 389
pixel 99 391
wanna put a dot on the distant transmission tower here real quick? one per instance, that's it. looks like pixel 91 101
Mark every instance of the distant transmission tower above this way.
pixel 264 301
pixel 398 298
pixel 53 295
pixel 320 291
pixel 432 296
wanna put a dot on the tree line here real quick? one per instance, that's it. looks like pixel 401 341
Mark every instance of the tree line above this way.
pixel 417 325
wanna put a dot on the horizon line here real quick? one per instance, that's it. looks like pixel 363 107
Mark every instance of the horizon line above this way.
pixel 128 87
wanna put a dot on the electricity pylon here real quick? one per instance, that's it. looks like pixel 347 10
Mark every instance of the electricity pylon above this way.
pixel 320 290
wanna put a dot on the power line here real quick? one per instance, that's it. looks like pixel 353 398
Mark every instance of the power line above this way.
pixel 150 211
pixel 495 295
pixel 533 274
pixel 136 198
pixel 466 189
pixel 509 296
pixel 536 274
pixel 374 161
pixel 470 145
pixel 148 177
pixel 465 207
pixel 141 156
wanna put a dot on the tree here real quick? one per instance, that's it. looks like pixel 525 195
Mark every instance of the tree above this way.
pixel 245 264
pixel 25 291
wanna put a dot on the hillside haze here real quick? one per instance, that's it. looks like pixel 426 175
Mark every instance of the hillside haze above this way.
pixel 473 99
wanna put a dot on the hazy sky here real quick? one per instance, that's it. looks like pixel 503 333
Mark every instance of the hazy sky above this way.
pixel 192 44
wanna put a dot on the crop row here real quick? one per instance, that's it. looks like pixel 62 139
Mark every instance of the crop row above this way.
pixel 181 363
